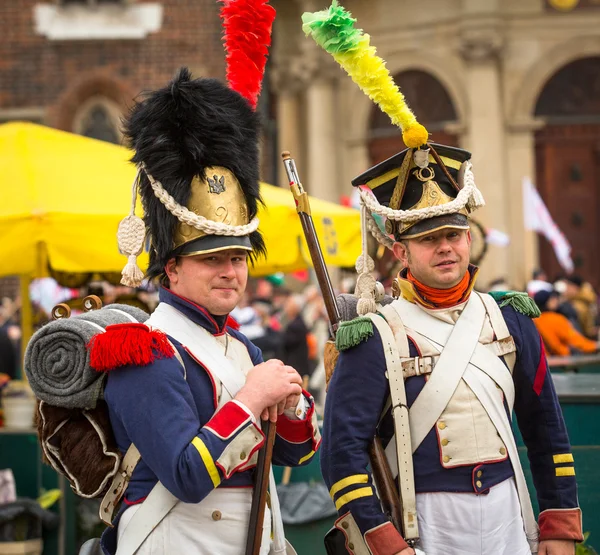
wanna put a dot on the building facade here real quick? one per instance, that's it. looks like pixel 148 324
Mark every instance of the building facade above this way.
pixel 514 81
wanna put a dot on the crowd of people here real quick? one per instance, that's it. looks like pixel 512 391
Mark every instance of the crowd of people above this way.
pixel 568 323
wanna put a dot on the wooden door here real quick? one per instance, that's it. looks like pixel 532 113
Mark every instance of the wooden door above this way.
pixel 568 178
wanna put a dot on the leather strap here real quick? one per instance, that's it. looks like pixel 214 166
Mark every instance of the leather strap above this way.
pixel 152 511
pixel 401 428
pixel 128 463
pixel 119 485
pixel 201 344
pixel 438 334
pixel 481 385
pixel 454 359
pixel 501 330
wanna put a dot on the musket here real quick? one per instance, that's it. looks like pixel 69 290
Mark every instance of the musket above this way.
pixel 259 499
pixel 382 475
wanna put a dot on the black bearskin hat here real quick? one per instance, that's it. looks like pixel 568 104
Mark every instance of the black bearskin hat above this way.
pixel 180 131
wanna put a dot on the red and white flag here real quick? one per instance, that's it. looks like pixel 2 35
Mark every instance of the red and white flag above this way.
pixel 537 218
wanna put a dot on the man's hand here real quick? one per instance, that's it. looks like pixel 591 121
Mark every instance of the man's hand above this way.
pixel 268 387
pixel 557 547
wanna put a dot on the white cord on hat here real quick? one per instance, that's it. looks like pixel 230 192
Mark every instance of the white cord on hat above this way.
pixel 201 223
pixel 469 196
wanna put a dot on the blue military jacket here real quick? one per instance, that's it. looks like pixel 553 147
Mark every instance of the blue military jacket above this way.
pixel 358 392
pixel 173 423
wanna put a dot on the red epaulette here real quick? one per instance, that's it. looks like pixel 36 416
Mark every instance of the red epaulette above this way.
pixel 131 344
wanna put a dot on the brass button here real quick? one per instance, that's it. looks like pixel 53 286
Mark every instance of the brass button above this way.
pixel 479 474
pixel 345 525
pixel 216 515
pixel 350 545
pixel 441 425
pixel 242 455
pixel 478 483
pixel 445 442
pixel 446 458
pixel 502 451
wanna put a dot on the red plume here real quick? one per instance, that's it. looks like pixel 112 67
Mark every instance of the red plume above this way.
pixel 247 37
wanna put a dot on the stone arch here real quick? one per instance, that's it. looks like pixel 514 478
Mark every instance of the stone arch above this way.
pixel 544 68
pixel 91 86
pixel 436 67
pixel 99 118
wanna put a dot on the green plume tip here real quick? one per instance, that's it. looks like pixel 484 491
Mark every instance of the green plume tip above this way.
pixel 332 29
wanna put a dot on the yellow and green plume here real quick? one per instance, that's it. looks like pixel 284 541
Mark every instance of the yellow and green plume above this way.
pixel 333 29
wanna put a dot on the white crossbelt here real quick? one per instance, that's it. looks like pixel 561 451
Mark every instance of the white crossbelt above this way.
pixel 481 370
pixel 401 429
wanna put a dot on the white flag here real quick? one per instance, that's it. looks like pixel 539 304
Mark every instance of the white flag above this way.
pixel 497 237
pixel 537 218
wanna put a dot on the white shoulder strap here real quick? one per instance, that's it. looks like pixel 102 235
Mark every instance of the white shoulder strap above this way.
pixel 454 359
pixel 155 507
pixel 152 511
pixel 401 427
pixel 499 326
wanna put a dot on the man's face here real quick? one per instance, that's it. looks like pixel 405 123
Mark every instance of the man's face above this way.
pixel 437 260
pixel 214 280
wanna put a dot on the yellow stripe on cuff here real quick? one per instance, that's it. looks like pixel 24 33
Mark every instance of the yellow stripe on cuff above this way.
pixel 566 458
pixel 207 460
pixel 306 457
pixel 565 471
pixel 349 481
pixel 351 496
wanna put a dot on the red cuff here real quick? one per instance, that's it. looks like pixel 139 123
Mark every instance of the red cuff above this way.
pixel 385 540
pixel 561 524
pixel 228 420
pixel 297 431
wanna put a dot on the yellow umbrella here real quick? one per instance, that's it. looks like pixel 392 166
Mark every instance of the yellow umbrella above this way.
pixel 63 195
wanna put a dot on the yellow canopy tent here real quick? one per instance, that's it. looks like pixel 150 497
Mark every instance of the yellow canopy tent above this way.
pixel 62 197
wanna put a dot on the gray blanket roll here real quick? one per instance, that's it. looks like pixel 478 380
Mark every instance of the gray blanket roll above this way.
pixel 57 362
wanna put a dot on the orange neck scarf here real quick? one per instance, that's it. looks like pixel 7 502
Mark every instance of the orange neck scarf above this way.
pixel 443 298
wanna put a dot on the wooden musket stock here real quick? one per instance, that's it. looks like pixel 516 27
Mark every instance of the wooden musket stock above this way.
pixel 382 475
pixel 259 499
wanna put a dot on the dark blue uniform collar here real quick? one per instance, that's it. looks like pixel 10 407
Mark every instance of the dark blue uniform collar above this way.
pixel 196 313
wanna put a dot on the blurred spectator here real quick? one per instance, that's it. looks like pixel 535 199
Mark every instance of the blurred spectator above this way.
pixel 558 334
pixel 8 354
pixel 582 297
pixel 270 342
pixel 539 282
pixel 499 284
pixel 295 345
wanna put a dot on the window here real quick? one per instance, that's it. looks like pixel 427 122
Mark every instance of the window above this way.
pixel 98 118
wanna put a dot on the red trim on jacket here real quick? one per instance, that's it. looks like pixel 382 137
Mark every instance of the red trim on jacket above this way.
pixel 561 524
pixel 540 374
pixel 212 380
pixel 203 310
pixel 297 431
pixel 227 420
pixel 385 540
pixel 227 475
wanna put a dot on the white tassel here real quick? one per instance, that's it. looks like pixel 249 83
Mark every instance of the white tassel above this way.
pixel 365 284
pixel 132 276
pixel 130 237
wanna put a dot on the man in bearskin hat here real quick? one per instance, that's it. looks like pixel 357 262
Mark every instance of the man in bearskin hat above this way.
pixel 187 389
pixel 437 372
